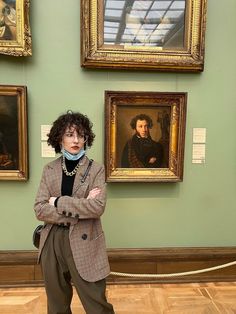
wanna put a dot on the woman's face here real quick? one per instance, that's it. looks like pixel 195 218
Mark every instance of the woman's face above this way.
pixel 72 141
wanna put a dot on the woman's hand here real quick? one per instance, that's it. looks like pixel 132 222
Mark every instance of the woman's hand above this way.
pixel 93 193
pixel 51 200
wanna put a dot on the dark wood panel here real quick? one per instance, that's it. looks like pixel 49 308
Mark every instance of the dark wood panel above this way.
pixel 37 273
pixel 16 273
pixel 134 267
pixel 21 268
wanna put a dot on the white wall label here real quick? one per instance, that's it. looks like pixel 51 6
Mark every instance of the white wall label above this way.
pixel 199 146
pixel 45 129
pixel 199 154
pixel 47 151
pixel 199 135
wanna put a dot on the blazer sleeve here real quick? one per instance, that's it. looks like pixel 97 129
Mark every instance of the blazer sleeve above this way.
pixel 84 208
pixel 43 210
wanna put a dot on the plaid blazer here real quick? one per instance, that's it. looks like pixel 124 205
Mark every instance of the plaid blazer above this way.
pixel 86 236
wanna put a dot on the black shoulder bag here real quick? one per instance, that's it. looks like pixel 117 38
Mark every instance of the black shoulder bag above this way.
pixel 39 228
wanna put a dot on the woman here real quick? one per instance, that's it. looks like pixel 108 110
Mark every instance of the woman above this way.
pixel 70 200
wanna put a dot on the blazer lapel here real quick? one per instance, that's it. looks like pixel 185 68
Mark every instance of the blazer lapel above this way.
pixel 56 177
pixel 80 173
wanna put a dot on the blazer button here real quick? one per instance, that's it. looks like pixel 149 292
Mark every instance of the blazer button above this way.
pixel 84 236
pixel 63 212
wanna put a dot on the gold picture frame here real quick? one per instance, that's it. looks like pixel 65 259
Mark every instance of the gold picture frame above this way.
pixel 13 133
pixel 15 34
pixel 138 35
pixel 154 156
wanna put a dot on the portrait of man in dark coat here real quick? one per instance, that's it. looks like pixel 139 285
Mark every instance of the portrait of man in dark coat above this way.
pixel 141 151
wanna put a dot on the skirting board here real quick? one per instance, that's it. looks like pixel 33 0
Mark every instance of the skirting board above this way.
pixel 20 268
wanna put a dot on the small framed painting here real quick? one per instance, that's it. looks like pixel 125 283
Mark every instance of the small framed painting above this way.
pixel 144 136
pixel 13 133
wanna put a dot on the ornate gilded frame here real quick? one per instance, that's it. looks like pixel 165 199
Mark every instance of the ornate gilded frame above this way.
pixel 20 42
pixel 120 108
pixel 13 133
pixel 96 54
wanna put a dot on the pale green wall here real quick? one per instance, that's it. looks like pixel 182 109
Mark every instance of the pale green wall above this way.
pixel 201 210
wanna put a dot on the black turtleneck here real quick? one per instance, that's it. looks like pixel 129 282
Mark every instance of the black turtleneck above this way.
pixel 68 181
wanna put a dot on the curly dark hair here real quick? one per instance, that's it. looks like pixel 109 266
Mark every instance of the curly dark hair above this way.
pixel 141 117
pixel 81 123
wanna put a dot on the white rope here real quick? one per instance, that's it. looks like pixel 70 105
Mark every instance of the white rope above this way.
pixel 199 271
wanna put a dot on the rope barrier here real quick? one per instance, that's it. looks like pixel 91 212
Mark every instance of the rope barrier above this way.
pixel 199 271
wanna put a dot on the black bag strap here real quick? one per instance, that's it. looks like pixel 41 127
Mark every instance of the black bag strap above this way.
pixel 87 171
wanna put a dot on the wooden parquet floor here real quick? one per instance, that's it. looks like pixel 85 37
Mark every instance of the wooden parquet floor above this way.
pixel 206 298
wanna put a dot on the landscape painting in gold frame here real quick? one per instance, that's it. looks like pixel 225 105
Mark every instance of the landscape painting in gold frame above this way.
pixel 13 133
pixel 15 34
pixel 144 136
pixel 167 35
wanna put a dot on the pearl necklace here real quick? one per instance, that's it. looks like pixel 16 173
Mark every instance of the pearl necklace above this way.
pixel 73 172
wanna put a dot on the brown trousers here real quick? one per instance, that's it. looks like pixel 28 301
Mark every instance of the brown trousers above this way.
pixel 59 269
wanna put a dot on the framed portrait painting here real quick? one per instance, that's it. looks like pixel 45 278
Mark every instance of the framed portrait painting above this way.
pixel 13 133
pixel 15 34
pixel 144 136
pixel 167 35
